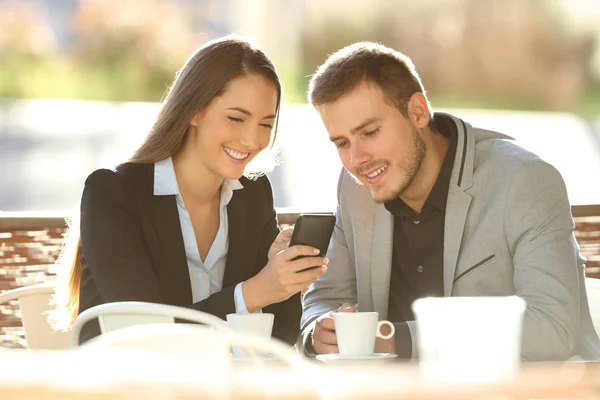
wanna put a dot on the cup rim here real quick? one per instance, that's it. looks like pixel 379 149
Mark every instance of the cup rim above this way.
pixel 354 313
pixel 509 304
pixel 236 315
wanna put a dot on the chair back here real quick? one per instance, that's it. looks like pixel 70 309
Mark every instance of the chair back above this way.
pixel 34 306
pixel 198 345
pixel 592 286
pixel 119 315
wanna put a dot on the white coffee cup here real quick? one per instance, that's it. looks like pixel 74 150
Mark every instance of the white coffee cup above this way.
pixel 469 339
pixel 356 332
pixel 259 324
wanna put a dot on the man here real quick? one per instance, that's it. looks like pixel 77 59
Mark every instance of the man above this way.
pixel 430 206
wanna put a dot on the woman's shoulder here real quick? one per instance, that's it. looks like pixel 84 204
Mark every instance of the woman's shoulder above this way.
pixel 260 185
pixel 127 176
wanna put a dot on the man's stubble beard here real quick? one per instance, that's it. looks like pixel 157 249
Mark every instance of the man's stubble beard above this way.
pixel 408 170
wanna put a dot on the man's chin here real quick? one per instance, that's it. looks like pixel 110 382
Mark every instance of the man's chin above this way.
pixel 379 197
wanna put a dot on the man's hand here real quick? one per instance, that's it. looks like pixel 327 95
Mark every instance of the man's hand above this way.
pixel 324 340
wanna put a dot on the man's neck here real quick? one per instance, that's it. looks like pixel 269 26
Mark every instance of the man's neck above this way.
pixel 436 146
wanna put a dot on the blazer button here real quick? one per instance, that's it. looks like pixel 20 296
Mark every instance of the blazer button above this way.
pixel 419 268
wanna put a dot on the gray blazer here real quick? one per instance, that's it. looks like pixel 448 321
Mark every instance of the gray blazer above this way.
pixel 508 231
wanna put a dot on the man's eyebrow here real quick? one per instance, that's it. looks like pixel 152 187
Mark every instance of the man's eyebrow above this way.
pixel 363 124
pixel 248 113
pixel 360 126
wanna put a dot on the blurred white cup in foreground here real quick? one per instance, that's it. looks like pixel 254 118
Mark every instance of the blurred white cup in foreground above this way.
pixel 469 339
pixel 259 324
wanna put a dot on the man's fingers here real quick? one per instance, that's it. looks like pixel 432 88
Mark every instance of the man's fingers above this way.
pixel 347 309
pixel 326 336
pixel 326 323
pixel 322 348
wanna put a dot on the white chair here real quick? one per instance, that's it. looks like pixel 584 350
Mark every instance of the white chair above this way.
pixel 119 315
pixel 34 306
pixel 195 345
pixel 592 287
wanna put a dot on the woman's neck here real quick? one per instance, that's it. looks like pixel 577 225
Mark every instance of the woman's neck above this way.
pixel 198 186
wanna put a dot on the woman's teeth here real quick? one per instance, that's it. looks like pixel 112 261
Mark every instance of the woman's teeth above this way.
pixel 380 170
pixel 235 154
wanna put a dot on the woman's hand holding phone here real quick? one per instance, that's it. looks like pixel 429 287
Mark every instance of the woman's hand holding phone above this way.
pixel 282 242
pixel 284 275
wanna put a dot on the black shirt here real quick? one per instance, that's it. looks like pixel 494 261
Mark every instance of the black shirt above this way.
pixel 418 242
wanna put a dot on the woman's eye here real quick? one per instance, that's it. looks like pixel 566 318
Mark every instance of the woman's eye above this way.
pixel 235 119
pixel 268 126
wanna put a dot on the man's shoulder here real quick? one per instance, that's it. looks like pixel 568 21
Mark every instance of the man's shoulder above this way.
pixel 501 153
pixel 500 163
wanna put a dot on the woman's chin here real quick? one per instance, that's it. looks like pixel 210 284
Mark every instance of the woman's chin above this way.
pixel 233 173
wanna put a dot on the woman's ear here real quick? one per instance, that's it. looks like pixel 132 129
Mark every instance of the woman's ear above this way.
pixel 195 121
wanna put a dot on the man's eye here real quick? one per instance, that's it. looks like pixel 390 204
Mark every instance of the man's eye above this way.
pixel 371 133
pixel 235 119
pixel 341 144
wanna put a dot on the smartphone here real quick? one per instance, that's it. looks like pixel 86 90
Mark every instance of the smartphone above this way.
pixel 313 230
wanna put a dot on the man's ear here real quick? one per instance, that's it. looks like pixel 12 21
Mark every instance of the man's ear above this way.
pixel 418 110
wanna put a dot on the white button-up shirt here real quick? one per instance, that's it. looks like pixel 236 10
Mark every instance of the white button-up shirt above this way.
pixel 206 276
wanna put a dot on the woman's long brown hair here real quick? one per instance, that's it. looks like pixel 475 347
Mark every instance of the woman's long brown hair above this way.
pixel 203 77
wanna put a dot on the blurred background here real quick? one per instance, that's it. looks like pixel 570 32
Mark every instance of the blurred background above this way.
pixel 80 81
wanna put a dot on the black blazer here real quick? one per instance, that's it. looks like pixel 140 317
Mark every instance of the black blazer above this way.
pixel 132 246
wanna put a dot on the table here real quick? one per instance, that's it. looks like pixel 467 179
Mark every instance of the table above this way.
pixel 123 374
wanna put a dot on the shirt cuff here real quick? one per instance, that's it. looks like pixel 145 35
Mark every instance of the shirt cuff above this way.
pixel 238 299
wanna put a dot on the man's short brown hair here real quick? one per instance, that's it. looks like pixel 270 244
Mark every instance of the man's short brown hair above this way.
pixel 344 70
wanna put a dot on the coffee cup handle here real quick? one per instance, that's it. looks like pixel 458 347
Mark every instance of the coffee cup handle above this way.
pixel 389 335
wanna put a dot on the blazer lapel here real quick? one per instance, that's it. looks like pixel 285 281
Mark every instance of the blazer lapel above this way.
pixel 172 273
pixel 381 259
pixel 237 226
pixel 459 201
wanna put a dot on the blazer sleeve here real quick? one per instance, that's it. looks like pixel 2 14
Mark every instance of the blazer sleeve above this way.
pixel 539 230
pixel 112 242
pixel 335 287
pixel 287 313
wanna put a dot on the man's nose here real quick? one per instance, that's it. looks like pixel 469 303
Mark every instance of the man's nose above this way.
pixel 358 156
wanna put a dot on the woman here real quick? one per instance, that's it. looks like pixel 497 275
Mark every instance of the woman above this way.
pixel 178 223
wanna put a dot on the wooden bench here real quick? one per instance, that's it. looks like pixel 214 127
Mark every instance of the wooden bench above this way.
pixel 30 243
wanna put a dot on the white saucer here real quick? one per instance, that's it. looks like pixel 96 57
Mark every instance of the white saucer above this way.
pixel 336 358
pixel 261 357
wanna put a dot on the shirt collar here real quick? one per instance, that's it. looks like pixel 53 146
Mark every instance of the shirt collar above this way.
pixel 439 193
pixel 165 182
